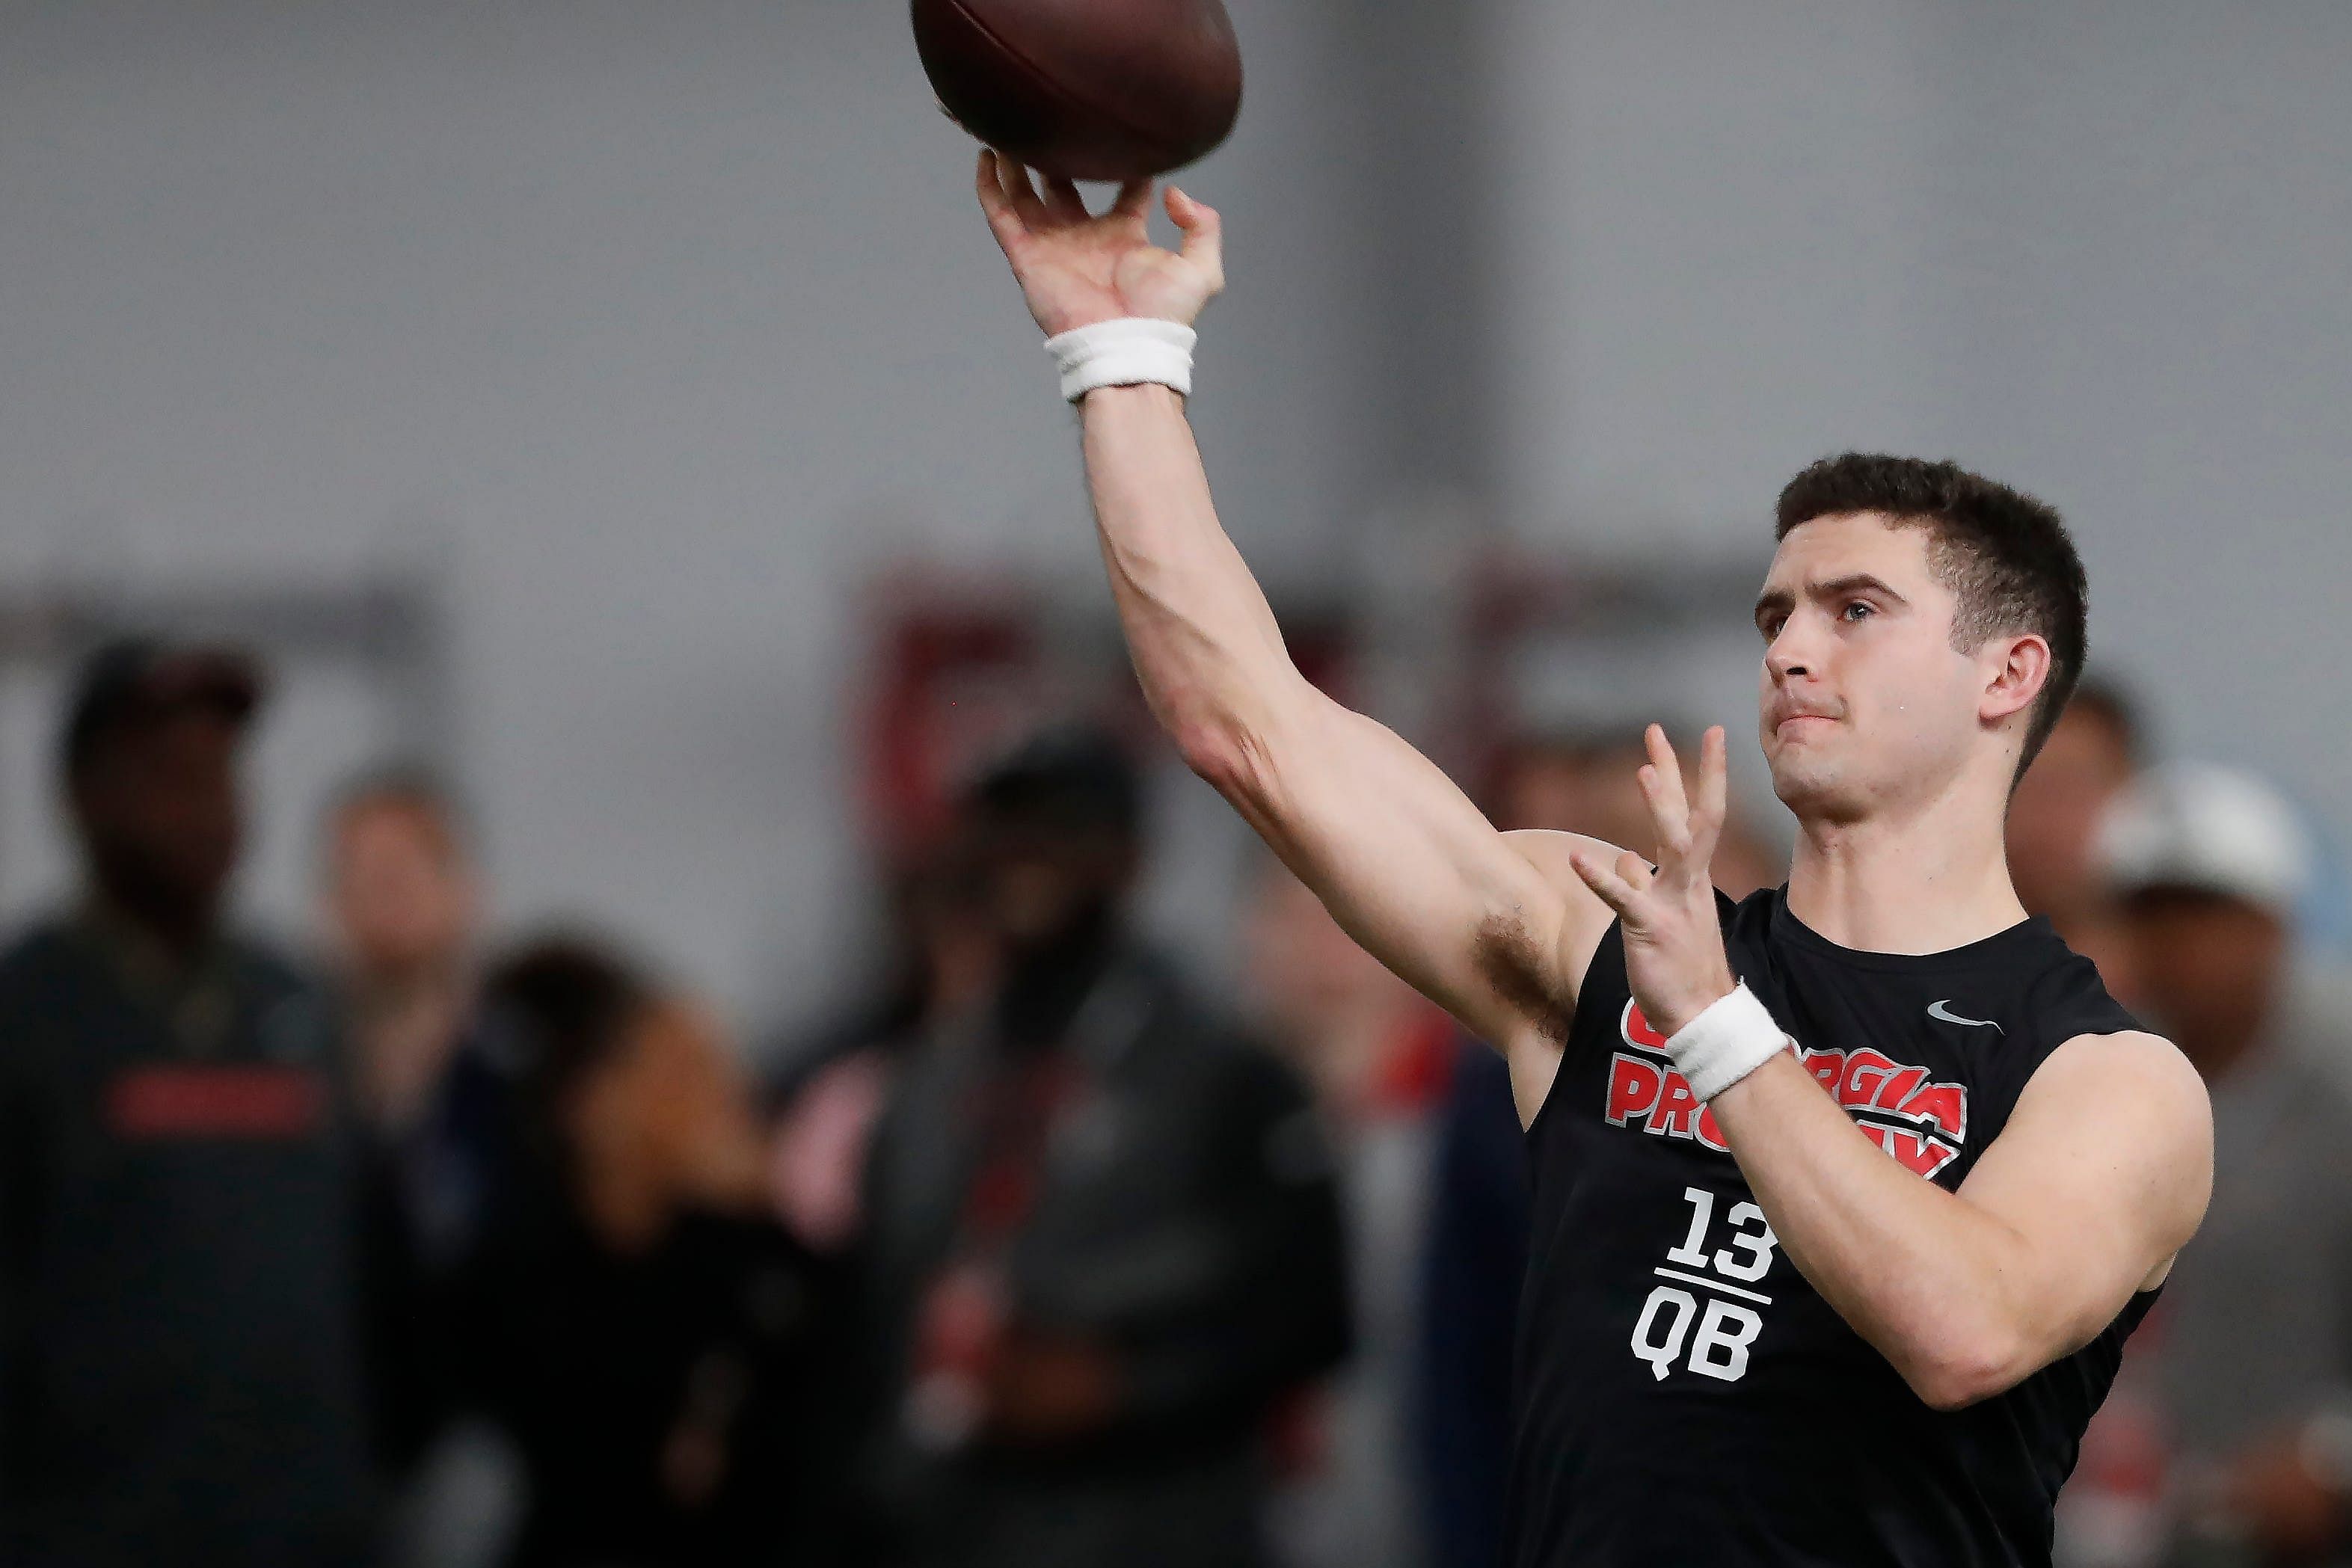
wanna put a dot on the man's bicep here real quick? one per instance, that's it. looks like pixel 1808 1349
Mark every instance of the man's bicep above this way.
pixel 2103 1168
pixel 1418 876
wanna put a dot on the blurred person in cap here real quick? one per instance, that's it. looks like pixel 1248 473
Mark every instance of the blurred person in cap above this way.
pixel 1103 1250
pixel 180 1368
pixel 2229 1438
pixel 2088 764
pixel 636 1318
pixel 1380 1059
pixel 822 1107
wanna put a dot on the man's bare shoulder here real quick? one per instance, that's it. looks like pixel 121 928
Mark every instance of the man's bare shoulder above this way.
pixel 2115 1129
pixel 2133 1097
pixel 2145 1069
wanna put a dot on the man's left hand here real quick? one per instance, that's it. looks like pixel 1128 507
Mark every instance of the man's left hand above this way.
pixel 1674 941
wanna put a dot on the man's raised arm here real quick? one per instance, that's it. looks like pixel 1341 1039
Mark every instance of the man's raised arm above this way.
pixel 1494 927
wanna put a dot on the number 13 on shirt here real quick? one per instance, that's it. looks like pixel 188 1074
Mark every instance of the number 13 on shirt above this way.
pixel 1728 1324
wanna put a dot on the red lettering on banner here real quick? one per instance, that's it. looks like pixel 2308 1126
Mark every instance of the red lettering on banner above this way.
pixel 185 1102
pixel 1634 1086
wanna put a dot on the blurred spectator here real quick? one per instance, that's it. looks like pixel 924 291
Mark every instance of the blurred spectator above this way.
pixel 1584 781
pixel 2089 760
pixel 179 1357
pixel 1380 1059
pixel 828 1099
pixel 2228 1439
pixel 824 1106
pixel 402 899
pixel 1477 1256
pixel 637 1321
pixel 1104 1247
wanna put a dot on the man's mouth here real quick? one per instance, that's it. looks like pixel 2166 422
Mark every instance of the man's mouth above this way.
pixel 1781 725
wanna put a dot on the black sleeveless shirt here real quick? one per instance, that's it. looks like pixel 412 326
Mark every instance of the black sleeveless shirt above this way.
pixel 1683 1395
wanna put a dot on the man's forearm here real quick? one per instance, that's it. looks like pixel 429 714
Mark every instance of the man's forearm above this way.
pixel 1204 642
pixel 1929 1279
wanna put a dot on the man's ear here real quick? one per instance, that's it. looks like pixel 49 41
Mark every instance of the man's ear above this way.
pixel 2016 670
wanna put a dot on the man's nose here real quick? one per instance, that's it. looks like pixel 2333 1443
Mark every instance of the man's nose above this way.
pixel 1787 657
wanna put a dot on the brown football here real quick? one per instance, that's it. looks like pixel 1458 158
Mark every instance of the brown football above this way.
pixel 1087 89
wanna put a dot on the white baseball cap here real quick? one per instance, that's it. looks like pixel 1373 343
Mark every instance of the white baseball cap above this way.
pixel 2212 829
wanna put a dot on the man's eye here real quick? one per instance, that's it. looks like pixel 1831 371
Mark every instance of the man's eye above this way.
pixel 1857 611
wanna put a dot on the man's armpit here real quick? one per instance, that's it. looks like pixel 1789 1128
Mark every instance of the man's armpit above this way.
pixel 1539 976
pixel 1515 965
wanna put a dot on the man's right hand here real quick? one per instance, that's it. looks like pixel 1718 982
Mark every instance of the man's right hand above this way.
pixel 1078 268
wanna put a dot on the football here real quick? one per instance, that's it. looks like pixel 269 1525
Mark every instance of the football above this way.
pixel 1085 90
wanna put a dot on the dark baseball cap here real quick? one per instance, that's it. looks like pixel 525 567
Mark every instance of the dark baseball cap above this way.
pixel 1071 778
pixel 134 682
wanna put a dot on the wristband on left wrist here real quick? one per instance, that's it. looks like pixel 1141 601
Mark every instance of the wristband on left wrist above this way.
pixel 1733 1036
pixel 1128 352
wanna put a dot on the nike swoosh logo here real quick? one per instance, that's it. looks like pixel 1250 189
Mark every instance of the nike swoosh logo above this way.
pixel 1937 1010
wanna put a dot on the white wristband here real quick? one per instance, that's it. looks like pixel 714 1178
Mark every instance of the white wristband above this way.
pixel 1121 353
pixel 1733 1037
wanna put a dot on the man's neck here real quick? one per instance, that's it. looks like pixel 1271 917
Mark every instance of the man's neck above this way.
pixel 161 946
pixel 439 984
pixel 1919 883
pixel 406 1023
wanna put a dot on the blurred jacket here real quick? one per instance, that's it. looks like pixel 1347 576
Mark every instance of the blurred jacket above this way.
pixel 179 1348
pixel 1476 1260
pixel 1179 1211
pixel 656 1400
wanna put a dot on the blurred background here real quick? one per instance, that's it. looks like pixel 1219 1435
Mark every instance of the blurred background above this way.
pixel 643 1084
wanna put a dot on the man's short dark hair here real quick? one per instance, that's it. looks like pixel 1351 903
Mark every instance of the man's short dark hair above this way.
pixel 2004 553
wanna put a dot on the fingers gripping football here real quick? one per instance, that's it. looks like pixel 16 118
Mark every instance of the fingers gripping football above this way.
pixel 1077 267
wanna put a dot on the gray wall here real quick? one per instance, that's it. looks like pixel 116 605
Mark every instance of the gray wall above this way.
pixel 663 324
pixel 2102 250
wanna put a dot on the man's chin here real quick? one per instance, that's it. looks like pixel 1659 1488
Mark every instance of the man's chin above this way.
pixel 1813 786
